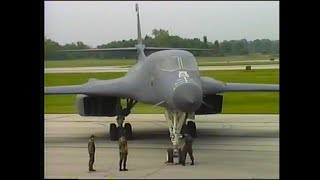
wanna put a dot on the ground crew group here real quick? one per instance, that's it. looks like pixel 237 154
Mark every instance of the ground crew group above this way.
pixel 123 151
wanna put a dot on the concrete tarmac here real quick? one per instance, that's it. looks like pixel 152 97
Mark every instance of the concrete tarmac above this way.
pixel 227 146
pixel 125 69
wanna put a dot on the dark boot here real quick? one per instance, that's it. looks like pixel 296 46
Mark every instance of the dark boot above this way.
pixel 192 158
pixel 91 167
pixel 120 166
pixel 124 167
pixel 125 164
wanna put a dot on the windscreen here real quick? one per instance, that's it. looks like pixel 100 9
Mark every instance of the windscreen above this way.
pixel 179 62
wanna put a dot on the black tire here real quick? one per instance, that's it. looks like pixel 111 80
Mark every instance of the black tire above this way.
pixel 170 155
pixel 192 129
pixel 128 131
pixel 113 132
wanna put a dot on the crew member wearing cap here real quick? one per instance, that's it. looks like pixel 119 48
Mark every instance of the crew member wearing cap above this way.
pixel 91 150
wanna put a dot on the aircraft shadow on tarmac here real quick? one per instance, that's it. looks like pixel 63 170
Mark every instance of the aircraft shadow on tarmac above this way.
pixel 162 134
pixel 204 133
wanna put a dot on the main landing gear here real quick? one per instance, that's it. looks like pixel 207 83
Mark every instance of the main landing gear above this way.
pixel 126 130
pixel 178 125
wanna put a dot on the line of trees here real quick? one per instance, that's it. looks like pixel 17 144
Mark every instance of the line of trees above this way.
pixel 162 38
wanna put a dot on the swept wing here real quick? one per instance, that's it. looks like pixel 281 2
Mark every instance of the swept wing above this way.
pixel 212 86
pixel 114 87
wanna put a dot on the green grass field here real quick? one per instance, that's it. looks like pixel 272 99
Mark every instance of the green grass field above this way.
pixel 202 61
pixel 256 56
pixel 253 103
pixel 89 62
pixel 230 63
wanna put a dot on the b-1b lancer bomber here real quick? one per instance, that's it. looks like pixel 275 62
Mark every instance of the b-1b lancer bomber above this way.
pixel 168 78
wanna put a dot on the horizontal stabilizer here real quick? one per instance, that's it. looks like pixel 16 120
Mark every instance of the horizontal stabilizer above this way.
pixel 103 49
pixel 134 49
pixel 165 48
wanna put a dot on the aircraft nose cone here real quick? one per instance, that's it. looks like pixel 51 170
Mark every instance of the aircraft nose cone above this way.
pixel 187 97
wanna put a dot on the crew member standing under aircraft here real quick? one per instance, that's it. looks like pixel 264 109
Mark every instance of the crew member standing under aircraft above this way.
pixel 187 148
pixel 123 152
pixel 91 150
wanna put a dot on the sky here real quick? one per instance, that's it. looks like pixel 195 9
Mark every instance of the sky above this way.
pixel 100 22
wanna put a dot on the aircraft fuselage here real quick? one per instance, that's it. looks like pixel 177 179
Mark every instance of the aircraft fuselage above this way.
pixel 172 78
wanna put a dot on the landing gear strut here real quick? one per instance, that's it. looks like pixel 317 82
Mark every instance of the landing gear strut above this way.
pixel 126 130
pixel 177 125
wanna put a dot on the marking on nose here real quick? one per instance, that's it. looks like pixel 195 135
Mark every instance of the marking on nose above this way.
pixel 183 74
pixel 180 62
pixel 183 77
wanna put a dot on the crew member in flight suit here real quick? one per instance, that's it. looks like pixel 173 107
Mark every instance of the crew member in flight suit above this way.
pixel 91 150
pixel 187 148
pixel 123 152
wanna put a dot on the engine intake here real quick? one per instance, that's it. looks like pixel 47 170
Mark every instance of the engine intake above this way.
pixel 213 105
pixel 96 105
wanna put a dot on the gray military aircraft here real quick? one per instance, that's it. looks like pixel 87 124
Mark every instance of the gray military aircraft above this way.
pixel 168 78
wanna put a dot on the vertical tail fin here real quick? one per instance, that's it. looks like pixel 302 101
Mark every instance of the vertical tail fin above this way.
pixel 138 25
pixel 140 47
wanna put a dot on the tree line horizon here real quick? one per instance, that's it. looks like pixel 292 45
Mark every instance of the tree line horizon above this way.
pixel 162 38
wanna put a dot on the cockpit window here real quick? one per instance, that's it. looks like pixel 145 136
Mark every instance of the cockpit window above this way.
pixel 189 62
pixel 178 62
pixel 169 63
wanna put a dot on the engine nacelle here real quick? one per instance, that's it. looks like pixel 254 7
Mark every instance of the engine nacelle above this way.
pixel 96 105
pixel 213 105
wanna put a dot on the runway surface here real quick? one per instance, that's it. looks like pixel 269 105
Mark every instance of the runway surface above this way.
pixel 125 69
pixel 227 146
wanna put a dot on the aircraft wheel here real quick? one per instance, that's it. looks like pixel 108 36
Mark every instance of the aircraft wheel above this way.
pixel 170 155
pixel 128 131
pixel 113 132
pixel 192 129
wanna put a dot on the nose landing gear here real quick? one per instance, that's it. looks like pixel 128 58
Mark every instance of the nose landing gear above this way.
pixel 177 126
